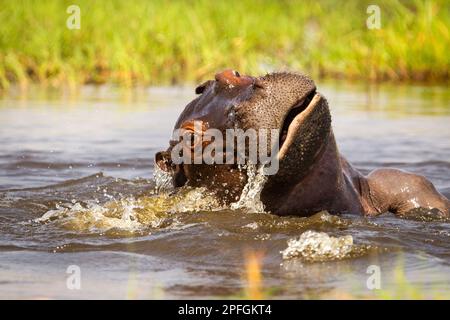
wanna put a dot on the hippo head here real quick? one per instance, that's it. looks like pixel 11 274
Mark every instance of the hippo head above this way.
pixel 283 102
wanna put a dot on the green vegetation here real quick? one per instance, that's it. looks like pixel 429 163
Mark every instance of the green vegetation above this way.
pixel 154 42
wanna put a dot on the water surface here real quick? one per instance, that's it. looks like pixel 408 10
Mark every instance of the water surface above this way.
pixel 77 188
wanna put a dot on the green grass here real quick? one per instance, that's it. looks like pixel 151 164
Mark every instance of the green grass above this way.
pixel 162 42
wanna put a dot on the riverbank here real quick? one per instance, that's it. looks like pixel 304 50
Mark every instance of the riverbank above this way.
pixel 159 42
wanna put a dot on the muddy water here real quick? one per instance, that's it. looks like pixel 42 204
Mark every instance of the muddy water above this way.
pixel 77 188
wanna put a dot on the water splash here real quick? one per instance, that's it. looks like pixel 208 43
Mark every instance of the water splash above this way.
pixel 123 215
pixel 195 200
pixel 250 199
pixel 163 180
pixel 129 216
pixel 315 246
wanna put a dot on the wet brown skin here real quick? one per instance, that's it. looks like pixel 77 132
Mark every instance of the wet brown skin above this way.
pixel 312 175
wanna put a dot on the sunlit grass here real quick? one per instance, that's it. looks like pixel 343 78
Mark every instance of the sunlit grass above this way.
pixel 154 42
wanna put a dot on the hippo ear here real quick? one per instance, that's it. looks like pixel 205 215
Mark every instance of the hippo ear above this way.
pixel 200 88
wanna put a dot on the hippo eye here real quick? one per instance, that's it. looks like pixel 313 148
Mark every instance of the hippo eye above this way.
pixel 236 74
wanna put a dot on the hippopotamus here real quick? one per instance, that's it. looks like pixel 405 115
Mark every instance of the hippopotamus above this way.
pixel 312 175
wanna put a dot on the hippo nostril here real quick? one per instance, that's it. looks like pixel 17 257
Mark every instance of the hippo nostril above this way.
pixel 236 74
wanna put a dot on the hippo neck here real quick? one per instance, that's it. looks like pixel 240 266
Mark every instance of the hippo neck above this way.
pixel 325 186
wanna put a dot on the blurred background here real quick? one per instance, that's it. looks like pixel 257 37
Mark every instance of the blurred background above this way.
pixel 90 91
pixel 167 42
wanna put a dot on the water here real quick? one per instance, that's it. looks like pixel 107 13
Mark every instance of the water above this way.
pixel 77 188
